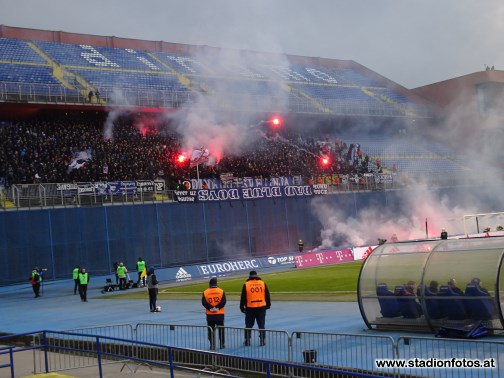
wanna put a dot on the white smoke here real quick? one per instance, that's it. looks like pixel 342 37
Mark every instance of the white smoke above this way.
pixel 422 213
pixel 223 118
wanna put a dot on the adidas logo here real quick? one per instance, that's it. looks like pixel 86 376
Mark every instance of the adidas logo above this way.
pixel 182 275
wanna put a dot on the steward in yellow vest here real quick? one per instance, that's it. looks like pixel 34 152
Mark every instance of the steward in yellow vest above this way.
pixel 75 276
pixel 255 300
pixel 214 300
pixel 83 283
pixel 142 273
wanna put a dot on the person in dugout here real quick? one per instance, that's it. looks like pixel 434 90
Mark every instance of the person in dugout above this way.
pixel 214 300
pixel 254 301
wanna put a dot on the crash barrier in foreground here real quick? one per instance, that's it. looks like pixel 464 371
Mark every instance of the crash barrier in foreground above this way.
pixel 352 352
pixel 103 349
pixel 357 355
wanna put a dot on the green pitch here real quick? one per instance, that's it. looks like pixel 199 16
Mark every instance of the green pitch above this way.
pixel 328 283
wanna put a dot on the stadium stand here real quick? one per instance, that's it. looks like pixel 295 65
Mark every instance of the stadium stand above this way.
pixel 308 88
pixel 15 50
pixel 32 70
pixel 409 155
pixel 41 150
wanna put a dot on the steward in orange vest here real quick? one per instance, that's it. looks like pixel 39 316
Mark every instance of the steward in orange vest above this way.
pixel 254 301
pixel 214 300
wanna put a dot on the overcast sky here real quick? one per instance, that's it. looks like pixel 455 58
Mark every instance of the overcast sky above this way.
pixel 412 42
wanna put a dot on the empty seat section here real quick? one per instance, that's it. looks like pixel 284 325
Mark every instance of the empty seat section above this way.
pixel 99 57
pixel 182 63
pixel 134 80
pixel 16 50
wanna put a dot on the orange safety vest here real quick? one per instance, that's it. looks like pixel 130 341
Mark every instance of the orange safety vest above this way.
pixel 256 293
pixel 213 295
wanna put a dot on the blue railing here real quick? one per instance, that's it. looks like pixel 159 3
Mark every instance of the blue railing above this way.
pixel 8 350
pixel 98 341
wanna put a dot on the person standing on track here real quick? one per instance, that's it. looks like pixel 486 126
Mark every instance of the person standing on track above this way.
pixel 214 300
pixel 152 288
pixel 141 264
pixel 83 283
pixel 254 301
pixel 121 273
pixel 75 276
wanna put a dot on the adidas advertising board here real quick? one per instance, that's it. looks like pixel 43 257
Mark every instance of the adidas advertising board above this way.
pixel 182 275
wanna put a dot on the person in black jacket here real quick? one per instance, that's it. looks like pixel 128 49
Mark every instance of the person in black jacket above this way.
pixel 152 287
pixel 214 300
pixel 254 301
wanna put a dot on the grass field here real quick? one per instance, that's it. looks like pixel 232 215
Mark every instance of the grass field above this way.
pixel 336 283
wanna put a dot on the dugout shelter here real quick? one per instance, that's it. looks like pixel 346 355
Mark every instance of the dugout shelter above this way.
pixel 424 285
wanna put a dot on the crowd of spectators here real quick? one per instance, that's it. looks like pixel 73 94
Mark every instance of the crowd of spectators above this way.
pixel 44 149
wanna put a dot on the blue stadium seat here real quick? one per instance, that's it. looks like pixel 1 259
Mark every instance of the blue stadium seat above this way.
pixel 388 302
pixel 17 50
pixel 480 306
pixel 432 304
pixel 451 304
pixel 408 304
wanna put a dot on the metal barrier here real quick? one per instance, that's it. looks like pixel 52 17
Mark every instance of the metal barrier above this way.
pixel 56 93
pixel 437 349
pixel 83 194
pixel 72 350
pixel 276 348
pixel 356 353
pixel 104 349
pixel 301 354
pixel 8 350
pixel 120 331
pixel 192 337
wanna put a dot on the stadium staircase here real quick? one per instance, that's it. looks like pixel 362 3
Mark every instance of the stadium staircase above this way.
pixel 388 100
pixel 183 79
pixel 5 202
pixel 300 94
pixel 64 76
